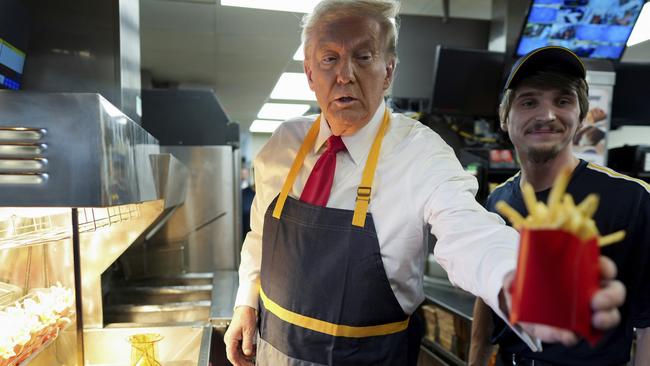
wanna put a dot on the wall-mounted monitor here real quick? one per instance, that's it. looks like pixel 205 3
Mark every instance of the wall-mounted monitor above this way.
pixel 14 30
pixel 591 28
pixel 466 82
pixel 631 99
pixel 12 61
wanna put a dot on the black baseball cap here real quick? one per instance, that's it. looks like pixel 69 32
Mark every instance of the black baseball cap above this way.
pixel 552 58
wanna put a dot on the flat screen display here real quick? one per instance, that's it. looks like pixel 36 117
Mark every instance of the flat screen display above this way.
pixel 14 31
pixel 631 100
pixel 12 61
pixel 466 82
pixel 590 28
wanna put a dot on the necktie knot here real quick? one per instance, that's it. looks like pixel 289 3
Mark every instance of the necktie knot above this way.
pixel 319 184
pixel 335 144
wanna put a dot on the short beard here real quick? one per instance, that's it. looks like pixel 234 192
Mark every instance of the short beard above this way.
pixel 542 156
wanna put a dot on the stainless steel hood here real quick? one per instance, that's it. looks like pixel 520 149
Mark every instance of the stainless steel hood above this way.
pixel 72 150
pixel 79 151
pixel 108 181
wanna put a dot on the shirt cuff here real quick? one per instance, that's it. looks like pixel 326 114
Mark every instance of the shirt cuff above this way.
pixel 248 294
pixel 495 284
pixel 493 301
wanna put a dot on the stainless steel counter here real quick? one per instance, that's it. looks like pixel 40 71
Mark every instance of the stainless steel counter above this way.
pixel 200 338
pixel 224 291
pixel 183 344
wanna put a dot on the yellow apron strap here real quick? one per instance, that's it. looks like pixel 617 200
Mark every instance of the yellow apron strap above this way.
pixel 336 330
pixel 365 188
pixel 307 144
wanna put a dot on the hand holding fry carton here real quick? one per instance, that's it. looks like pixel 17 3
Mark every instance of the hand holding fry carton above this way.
pixel 557 269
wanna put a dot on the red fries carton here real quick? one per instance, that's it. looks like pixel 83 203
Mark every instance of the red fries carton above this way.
pixel 557 275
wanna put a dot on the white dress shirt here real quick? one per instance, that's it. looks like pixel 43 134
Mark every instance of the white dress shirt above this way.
pixel 418 181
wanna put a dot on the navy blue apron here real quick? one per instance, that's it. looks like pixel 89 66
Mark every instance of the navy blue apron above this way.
pixel 325 298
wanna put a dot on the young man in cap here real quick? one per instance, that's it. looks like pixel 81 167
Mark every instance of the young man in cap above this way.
pixel 543 105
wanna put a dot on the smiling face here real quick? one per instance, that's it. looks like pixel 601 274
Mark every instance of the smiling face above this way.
pixel 541 123
pixel 348 69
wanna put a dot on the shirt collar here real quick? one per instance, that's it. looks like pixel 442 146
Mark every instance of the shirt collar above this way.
pixel 358 144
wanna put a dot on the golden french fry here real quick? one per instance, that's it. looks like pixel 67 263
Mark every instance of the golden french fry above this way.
pixel 575 223
pixel 592 229
pixel 562 213
pixel 541 211
pixel 611 238
pixel 585 230
pixel 529 198
pixel 559 187
pixel 566 225
pixel 559 219
pixel 531 222
pixel 567 208
pixel 513 216
pixel 568 203
pixel 589 205
pixel 554 214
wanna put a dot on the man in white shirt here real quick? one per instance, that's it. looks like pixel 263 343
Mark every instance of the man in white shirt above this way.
pixel 336 271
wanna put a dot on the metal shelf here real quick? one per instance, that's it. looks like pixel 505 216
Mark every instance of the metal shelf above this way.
pixel 448 357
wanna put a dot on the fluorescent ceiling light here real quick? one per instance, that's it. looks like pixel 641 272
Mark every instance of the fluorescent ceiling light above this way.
pixel 301 6
pixel 264 126
pixel 300 54
pixel 641 31
pixel 282 111
pixel 293 86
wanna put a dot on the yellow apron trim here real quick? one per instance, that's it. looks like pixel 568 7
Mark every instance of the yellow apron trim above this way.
pixel 307 144
pixel 364 190
pixel 332 329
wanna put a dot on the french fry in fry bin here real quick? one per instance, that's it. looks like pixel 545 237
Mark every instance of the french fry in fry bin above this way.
pixel 557 268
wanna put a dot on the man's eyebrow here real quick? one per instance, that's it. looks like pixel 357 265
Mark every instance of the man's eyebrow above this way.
pixel 567 93
pixel 532 93
pixel 327 46
pixel 324 46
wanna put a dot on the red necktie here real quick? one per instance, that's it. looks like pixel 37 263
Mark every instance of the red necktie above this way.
pixel 319 184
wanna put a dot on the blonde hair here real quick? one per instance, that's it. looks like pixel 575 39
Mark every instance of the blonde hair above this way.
pixel 383 11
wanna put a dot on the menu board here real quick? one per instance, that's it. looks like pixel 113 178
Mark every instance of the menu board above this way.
pixel 590 141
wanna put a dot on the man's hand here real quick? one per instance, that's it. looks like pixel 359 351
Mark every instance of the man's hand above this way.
pixel 609 298
pixel 240 336
pixel 604 303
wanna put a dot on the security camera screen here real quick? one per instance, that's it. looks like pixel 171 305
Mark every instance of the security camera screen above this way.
pixel 591 28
